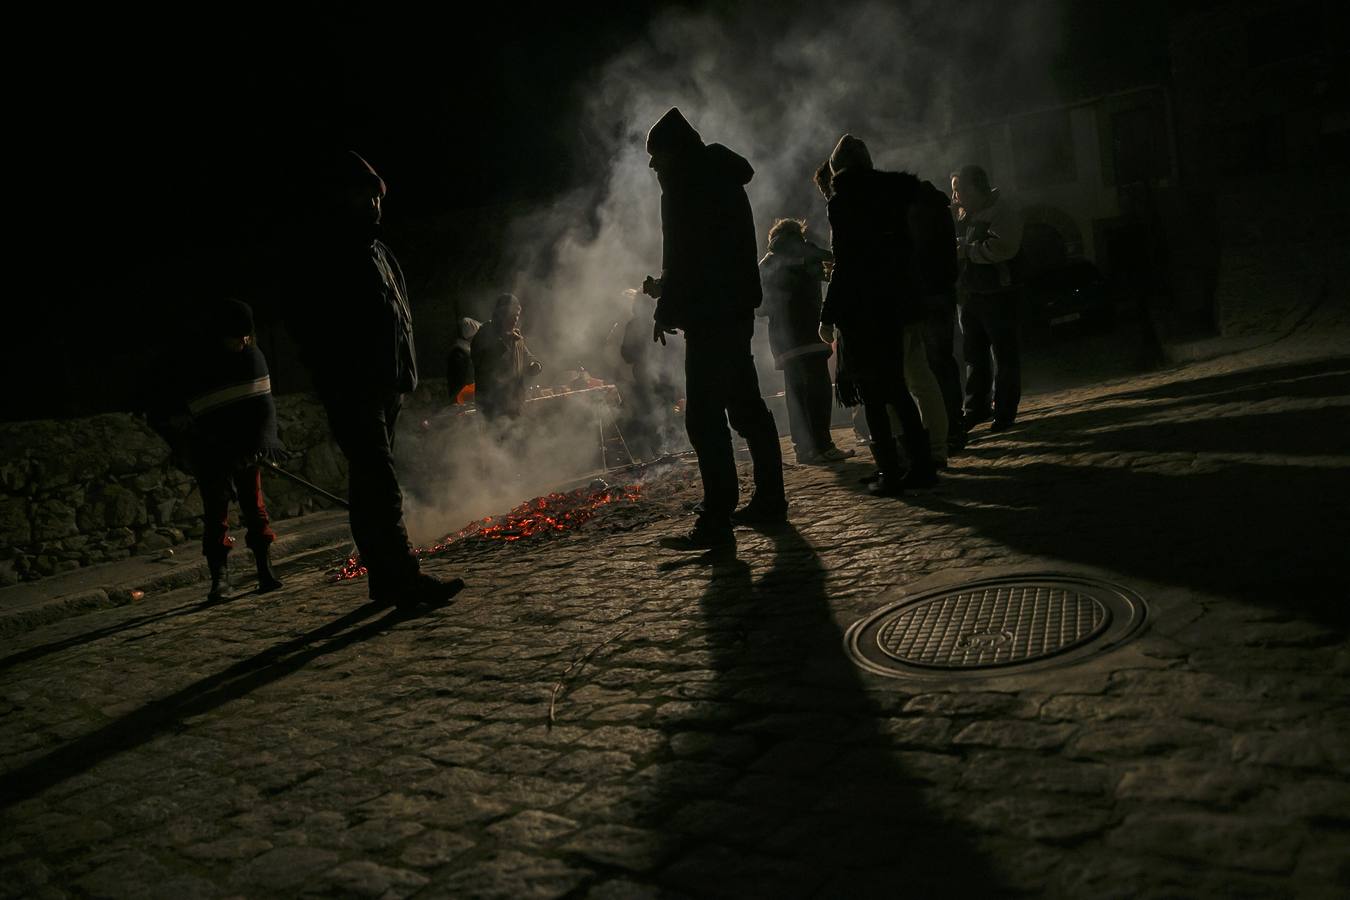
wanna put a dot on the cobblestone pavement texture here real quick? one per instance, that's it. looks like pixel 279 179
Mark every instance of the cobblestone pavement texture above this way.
pixel 710 736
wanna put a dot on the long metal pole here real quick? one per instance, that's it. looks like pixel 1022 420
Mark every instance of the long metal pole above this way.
pixel 267 463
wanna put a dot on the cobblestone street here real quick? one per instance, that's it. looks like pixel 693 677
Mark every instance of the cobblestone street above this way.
pixel 596 717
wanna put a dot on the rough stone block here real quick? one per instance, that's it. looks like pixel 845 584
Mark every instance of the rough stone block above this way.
pixel 16 528
pixel 52 520
pixel 1210 839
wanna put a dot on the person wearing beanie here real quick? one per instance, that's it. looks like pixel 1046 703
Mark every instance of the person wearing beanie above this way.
pixel 709 288
pixel 219 417
pixel 349 312
pixel 502 364
pixel 875 294
pixel 989 227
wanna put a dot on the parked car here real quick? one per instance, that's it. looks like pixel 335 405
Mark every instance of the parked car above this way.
pixel 1071 296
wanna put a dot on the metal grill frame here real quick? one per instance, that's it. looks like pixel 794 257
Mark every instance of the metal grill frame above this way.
pixel 994 649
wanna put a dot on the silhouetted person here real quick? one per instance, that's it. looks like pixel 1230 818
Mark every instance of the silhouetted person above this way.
pixel 792 271
pixel 989 236
pixel 709 289
pixel 873 295
pixel 459 365
pixel 214 407
pixel 350 315
pixel 502 364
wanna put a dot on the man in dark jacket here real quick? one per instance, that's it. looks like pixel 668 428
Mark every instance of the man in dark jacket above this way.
pixel 989 232
pixel 218 416
pixel 792 271
pixel 875 292
pixel 502 364
pixel 350 315
pixel 709 288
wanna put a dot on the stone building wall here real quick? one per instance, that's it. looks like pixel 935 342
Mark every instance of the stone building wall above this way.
pixel 83 491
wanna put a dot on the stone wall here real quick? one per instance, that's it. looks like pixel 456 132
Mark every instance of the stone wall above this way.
pixel 83 491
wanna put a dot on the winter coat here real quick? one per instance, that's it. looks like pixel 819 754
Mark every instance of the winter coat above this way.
pixel 792 272
pixel 501 365
pixel 709 250
pixel 993 240
pixel 873 290
pixel 350 315
pixel 215 408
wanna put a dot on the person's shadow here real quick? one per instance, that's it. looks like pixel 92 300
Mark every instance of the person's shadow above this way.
pixel 157 716
pixel 785 783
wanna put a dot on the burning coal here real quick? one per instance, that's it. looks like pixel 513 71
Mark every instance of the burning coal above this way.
pixel 548 514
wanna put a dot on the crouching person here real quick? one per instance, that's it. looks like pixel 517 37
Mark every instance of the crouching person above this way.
pixel 217 413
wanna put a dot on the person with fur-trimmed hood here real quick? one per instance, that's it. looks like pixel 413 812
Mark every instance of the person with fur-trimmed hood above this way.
pixel 218 417
pixel 792 271
pixel 874 294
pixel 709 289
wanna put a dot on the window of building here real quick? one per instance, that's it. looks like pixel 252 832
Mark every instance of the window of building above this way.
pixel 1139 145
pixel 1291 31
pixel 1252 148
pixel 1042 147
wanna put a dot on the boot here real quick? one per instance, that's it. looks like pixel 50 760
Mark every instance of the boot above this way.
pixel 267 579
pixel 922 470
pixel 220 577
pixel 889 481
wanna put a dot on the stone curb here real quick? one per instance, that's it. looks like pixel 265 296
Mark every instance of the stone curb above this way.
pixel 24 607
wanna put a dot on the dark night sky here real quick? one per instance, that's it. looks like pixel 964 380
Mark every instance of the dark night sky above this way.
pixel 166 139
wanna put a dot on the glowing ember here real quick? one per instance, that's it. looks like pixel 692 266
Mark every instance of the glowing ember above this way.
pixel 549 513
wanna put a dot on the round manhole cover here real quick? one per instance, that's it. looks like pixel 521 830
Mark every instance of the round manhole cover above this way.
pixel 983 628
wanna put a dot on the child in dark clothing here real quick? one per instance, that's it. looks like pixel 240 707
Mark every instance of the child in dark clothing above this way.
pixel 218 415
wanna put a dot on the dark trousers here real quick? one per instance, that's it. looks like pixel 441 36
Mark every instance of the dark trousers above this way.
pixel 363 426
pixel 720 385
pixel 939 344
pixel 809 393
pixel 993 359
pixel 218 487
pixel 878 394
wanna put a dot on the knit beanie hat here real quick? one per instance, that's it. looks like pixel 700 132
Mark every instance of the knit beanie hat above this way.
pixel 672 132
pixel 350 169
pixel 849 153
pixel 231 318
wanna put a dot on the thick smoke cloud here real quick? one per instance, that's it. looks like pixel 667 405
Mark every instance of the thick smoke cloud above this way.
pixel 777 84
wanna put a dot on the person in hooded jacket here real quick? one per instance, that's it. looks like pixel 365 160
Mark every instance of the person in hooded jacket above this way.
pixel 349 312
pixel 459 367
pixel 875 292
pixel 709 289
pixel 220 420
pixel 792 271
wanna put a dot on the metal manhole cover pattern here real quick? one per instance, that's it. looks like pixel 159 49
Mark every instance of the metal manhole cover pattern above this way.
pixel 994 626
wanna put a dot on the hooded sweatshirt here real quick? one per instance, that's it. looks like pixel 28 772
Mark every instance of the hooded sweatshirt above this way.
pixel 710 277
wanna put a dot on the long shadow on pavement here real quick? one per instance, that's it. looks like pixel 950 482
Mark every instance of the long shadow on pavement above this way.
pixel 144 724
pixel 785 783
pixel 1270 533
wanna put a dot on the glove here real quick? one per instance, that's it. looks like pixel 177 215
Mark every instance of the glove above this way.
pixel 827 333
pixel 659 332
